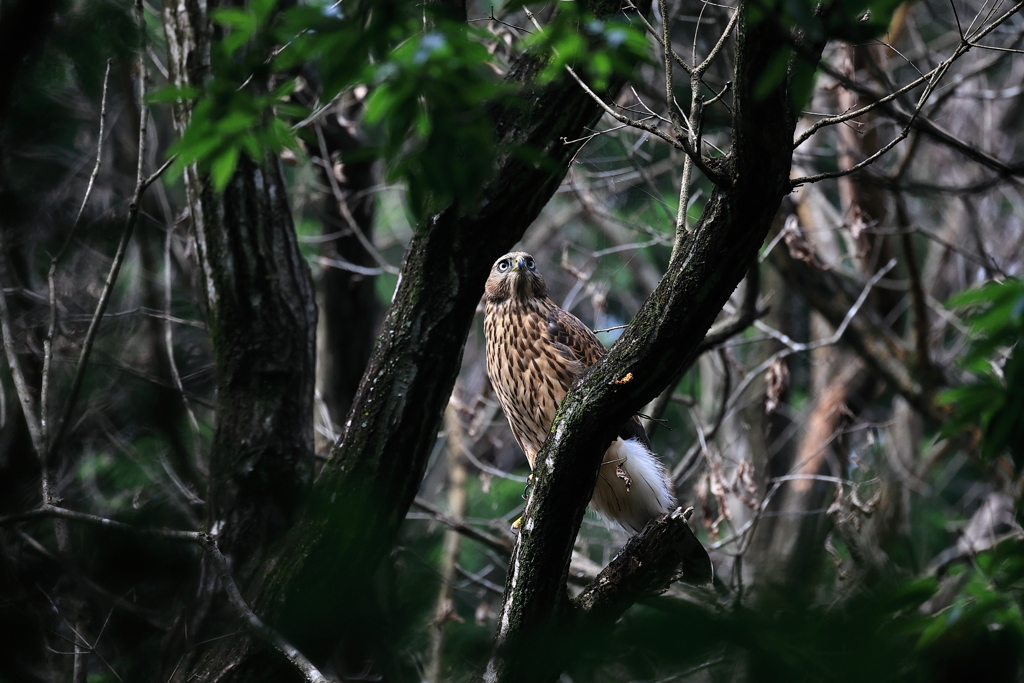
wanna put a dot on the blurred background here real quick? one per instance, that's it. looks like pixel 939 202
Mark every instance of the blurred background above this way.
pixel 862 526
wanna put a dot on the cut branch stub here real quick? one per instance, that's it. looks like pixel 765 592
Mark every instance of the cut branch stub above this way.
pixel 664 552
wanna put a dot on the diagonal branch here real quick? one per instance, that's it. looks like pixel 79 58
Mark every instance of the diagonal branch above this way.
pixel 142 182
pixel 648 564
pixel 334 549
pixel 679 141
pixel 663 337
pixel 920 123
pixel 20 385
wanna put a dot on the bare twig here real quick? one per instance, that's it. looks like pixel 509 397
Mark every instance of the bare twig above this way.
pixel 679 143
pixel 797 347
pixel 697 104
pixel 346 213
pixel 670 98
pixel 719 333
pixel 44 392
pixel 918 122
pixel 141 183
pixel 267 634
pixel 20 386
pixel 169 348
pixel 797 182
pixel 492 542
pixel 208 543
pixel 95 168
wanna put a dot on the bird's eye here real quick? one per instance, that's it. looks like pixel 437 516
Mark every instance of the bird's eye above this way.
pixel 502 266
pixel 530 264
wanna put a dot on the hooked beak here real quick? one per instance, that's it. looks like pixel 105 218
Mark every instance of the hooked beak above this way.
pixel 520 263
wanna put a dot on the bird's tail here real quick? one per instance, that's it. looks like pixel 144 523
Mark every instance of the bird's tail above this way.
pixel 633 487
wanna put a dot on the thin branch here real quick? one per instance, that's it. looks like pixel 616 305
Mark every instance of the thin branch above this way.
pixel 493 542
pixel 899 138
pixel 679 143
pixel 208 543
pixel 141 183
pixel 718 334
pixel 169 348
pixel 494 470
pixel 880 101
pixel 339 198
pixel 923 124
pixel 266 633
pixel 20 386
pixel 798 347
pixel 44 392
pixel 703 66
pixel 95 168
pixel 670 98
pixel 342 264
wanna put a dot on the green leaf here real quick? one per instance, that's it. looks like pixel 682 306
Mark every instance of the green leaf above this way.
pixel 223 168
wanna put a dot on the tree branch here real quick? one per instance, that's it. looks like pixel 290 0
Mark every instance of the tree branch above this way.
pixel 380 459
pixel 141 183
pixel 648 564
pixel 663 337
pixel 208 543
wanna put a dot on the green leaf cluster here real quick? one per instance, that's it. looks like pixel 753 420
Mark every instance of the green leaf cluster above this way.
pixel 428 114
pixel 234 113
pixel 994 401
pixel 595 48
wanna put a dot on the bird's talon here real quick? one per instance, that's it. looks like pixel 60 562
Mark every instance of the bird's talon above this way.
pixel 526 489
pixel 516 524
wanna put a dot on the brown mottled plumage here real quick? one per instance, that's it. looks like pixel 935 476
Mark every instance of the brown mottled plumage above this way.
pixel 535 351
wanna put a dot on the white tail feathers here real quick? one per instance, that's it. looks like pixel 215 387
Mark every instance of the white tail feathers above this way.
pixel 632 487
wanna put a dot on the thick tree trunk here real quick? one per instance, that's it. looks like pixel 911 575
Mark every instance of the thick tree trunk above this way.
pixel 262 319
pixel 319 583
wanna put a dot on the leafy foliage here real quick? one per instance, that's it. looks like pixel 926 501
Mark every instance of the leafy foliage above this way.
pixel 427 109
pixel 431 91
pixel 595 48
pixel 995 400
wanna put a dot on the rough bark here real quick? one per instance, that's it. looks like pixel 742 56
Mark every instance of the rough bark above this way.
pixel 325 567
pixel 262 317
pixel 664 335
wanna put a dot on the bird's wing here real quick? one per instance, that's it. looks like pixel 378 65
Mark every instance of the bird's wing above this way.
pixel 634 429
pixel 574 340
pixel 578 344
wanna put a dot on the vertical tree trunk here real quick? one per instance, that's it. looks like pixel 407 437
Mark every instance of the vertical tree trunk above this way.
pixel 262 319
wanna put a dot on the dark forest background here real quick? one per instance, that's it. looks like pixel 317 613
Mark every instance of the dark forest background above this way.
pixel 245 427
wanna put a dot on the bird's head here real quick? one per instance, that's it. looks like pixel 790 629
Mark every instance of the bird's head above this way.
pixel 515 275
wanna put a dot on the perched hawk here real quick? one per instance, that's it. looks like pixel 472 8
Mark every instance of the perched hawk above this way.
pixel 535 351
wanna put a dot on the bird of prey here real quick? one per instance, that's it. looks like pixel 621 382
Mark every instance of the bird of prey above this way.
pixel 535 351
